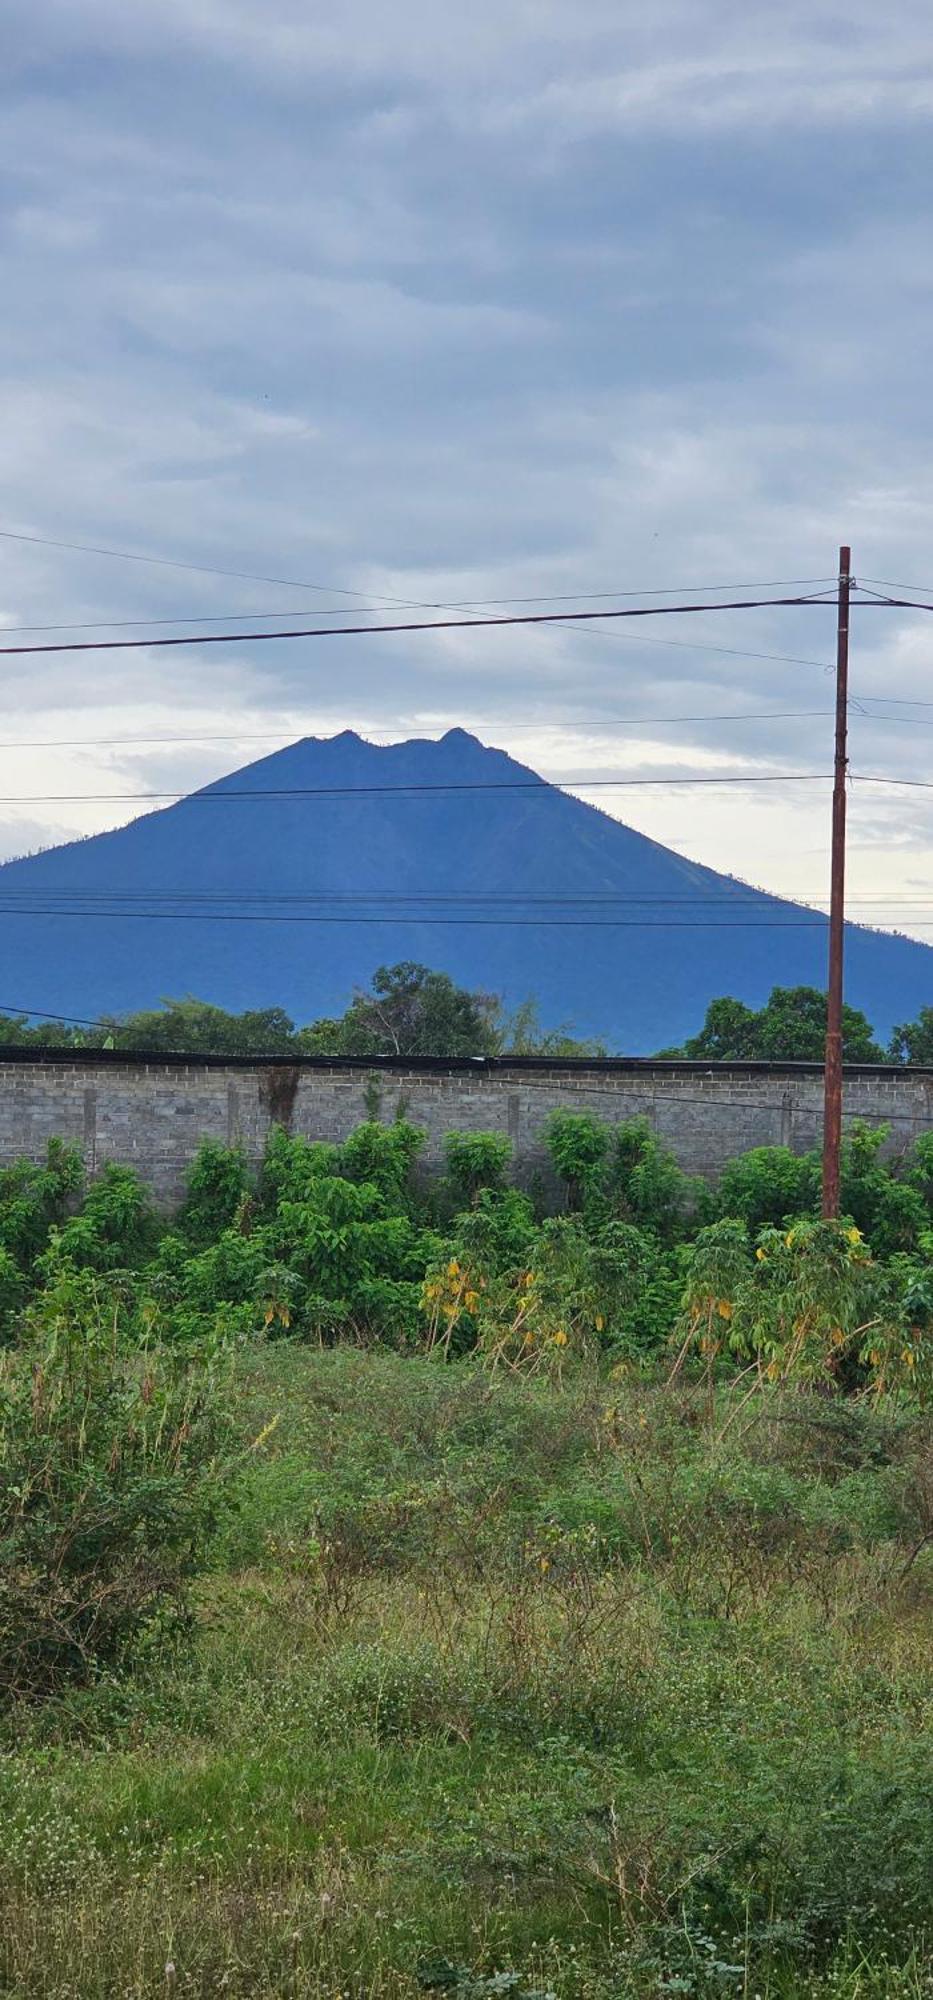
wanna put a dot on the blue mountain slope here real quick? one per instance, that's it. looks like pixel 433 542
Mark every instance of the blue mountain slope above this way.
pixel 167 904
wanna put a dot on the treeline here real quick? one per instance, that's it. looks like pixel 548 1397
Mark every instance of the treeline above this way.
pixel 791 1027
pixel 410 1010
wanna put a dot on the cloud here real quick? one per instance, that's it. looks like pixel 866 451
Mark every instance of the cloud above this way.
pixel 449 306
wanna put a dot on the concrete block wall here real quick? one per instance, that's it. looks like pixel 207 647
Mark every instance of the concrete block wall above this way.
pixel 153 1113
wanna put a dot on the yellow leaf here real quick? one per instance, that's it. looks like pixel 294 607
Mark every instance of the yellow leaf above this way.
pixel 854 1235
pixel 759 1253
pixel 789 1238
pixel 453 1268
pixel 724 1309
pixel 560 1338
pixel 600 1322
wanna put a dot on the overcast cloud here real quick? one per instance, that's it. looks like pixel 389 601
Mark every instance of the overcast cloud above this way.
pixel 441 303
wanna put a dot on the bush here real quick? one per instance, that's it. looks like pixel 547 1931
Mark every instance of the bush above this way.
pixel 476 1161
pixel 497 1233
pixel 578 1145
pixel 112 1469
pixel 34 1199
pixel 383 1156
pixel 114 1231
pixel 645 1180
pixel 217 1184
pixel 766 1186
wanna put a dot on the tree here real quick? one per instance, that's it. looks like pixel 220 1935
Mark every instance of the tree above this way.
pixel 410 1011
pixel 198 1026
pixel 521 1034
pixel 728 1033
pixel 790 1028
pixel 913 1041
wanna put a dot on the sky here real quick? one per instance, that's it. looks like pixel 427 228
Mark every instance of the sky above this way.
pixel 454 305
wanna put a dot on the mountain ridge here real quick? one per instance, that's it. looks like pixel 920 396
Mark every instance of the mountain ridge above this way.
pixel 523 890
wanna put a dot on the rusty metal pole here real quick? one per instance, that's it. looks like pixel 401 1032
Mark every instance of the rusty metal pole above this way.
pixel 832 1088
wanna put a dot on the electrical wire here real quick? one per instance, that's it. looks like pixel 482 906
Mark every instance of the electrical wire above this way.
pixel 418 625
pixel 913 784
pixel 509 923
pixel 880 583
pixel 458 898
pixel 893 700
pixel 340 590
pixel 550 788
pixel 504 722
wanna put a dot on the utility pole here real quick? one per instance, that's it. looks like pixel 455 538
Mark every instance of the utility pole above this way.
pixel 832 1087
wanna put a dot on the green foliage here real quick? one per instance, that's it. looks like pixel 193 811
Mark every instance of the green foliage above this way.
pixel 891 1213
pixel 791 1027
pixel 114 1231
pixel 497 1233
pixel 34 1199
pixel 217 1182
pixel 383 1156
pixel 291 1166
pixel 197 1027
pixel 521 1034
pixel 766 1186
pixel 645 1182
pixel 810 1302
pixel 912 1042
pixel 410 1011
pixel 507 1686
pixel 578 1145
pixel 476 1161
pixel 110 1476
pixel 717 1267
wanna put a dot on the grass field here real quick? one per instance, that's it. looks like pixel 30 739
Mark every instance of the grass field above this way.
pixel 502 1687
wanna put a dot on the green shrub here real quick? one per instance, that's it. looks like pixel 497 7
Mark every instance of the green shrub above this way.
pixel 498 1233
pixel 114 1231
pixel 216 1185
pixel 578 1145
pixel 645 1181
pixel 291 1166
pixel 476 1161
pixel 383 1156
pixel 111 1474
pixel 34 1199
pixel 766 1186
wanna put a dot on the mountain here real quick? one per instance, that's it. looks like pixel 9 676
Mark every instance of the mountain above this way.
pixel 168 905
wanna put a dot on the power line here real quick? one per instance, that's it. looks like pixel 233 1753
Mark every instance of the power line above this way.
pixel 541 787
pixel 419 625
pixel 347 611
pixel 881 584
pixel 817 922
pixel 877 603
pixel 201 569
pixel 913 784
pixel 364 898
pixel 340 590
pixel 504 722
pixel 893 700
